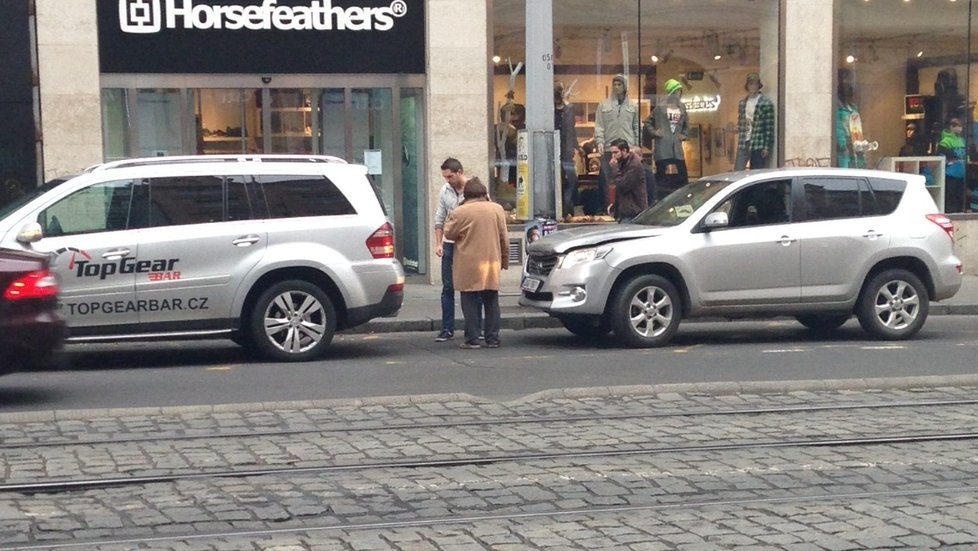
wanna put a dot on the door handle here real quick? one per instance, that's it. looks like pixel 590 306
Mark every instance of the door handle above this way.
pixel 872 234
pixel 786 240
pixel 246 241
pixel 116 253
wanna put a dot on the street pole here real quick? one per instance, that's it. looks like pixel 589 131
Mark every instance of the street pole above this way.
pixel 544 177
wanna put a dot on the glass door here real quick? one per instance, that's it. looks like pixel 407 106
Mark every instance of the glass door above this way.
pixel 411 235
pixel 288 120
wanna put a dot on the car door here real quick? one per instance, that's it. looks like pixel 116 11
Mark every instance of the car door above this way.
pixel 93 243
pixel 755 259
pixel 840 234
pixel 200 242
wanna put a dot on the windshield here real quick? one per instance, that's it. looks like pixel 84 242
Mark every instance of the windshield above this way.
pixel 680 204
pixel 30 196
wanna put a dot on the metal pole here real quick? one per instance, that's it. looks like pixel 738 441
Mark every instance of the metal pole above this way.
pixel 540 106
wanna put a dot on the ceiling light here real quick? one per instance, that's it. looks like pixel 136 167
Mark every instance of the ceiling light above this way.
pixel 920 53
pixel 850 59
pixel 717 57
pixel 496 59
pixel 655 59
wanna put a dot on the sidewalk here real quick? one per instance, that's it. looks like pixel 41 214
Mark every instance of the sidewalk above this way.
pixel 422 309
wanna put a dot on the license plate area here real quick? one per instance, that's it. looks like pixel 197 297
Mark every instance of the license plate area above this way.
pixel 531 284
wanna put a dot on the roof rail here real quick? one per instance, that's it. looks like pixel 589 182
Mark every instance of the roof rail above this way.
pixel 180 159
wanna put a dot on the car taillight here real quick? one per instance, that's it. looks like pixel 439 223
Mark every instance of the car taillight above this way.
pixel 35 285
pixel 944 222
pixel 381 242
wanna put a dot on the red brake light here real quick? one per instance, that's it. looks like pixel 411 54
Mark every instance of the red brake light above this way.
pixel 35 285
pixel 381 242
pixel 944 222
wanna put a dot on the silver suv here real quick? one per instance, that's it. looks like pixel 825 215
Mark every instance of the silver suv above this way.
pixel 275 252
pixel 816 244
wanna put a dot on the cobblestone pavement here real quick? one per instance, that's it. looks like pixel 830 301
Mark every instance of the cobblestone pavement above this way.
pixel 911 495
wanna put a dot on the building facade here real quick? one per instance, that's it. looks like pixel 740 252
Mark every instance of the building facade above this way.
pixel 401 85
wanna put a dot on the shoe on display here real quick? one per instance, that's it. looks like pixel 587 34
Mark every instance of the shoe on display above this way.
pixel 444 336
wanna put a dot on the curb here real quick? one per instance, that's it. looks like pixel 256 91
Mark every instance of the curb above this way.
pixel 540 320
pixel 697 389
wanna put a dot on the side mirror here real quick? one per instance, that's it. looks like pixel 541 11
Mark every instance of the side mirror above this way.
pixel 716 220
pixel 30 233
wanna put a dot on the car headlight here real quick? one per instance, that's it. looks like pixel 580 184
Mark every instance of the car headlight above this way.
pixel 581 256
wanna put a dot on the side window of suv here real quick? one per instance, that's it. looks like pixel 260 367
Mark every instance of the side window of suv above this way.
pixel 97 208
pixel 759 204
pixel 180 200
pixel 295 196
pixel 829 198
pixel 887 193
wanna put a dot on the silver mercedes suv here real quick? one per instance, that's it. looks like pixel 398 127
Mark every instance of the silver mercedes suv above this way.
pixel 276 252
pixel 817 244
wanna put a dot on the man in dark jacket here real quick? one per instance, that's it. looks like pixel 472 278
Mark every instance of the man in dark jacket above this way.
pixel 629 177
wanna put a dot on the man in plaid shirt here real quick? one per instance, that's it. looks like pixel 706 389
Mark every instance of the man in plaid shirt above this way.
pixel 755 126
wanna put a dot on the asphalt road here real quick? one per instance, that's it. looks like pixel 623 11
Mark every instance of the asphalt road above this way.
pixel 396 364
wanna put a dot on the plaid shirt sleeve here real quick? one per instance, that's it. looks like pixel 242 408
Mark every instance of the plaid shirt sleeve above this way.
pixel 762 134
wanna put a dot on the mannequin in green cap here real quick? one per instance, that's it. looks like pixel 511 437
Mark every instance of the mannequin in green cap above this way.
pixel 668 127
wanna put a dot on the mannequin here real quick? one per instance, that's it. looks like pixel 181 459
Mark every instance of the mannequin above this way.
pixel 668 126
pixel 755 127
pixel 616 119
pixel 564 122
pixel 851 144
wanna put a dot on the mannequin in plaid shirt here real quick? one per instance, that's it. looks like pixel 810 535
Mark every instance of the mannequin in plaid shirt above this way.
pixel 755 127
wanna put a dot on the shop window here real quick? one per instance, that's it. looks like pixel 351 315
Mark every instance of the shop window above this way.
pixel 706 52
pixel 902 76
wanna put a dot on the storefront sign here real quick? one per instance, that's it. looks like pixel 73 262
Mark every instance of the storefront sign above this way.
pixel 702 103
pixel 261 36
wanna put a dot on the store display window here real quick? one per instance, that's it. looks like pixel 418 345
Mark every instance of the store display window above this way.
pixel 692 86
pixel 906 92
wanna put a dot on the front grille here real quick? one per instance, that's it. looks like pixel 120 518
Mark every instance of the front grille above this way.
pixel 540 265
pixel 546 297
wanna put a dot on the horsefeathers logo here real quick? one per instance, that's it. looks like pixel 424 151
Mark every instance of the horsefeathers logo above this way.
pixel 148 16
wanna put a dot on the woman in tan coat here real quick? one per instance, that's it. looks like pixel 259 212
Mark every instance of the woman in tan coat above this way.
pixel 478 227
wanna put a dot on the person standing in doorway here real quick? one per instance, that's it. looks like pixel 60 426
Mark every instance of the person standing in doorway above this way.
pixel 448 200
pixel 755 126
pixel 478 229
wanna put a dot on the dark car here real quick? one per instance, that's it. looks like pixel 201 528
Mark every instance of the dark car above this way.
pixel 32 331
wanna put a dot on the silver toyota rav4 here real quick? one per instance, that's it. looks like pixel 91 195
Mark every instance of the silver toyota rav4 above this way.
pixel 275 252
pixel 817 244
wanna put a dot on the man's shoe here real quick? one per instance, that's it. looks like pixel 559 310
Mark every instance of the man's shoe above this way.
pixel 493 345
pixel 470 345
pixel 444 336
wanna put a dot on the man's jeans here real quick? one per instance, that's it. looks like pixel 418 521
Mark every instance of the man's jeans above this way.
pixel 448 289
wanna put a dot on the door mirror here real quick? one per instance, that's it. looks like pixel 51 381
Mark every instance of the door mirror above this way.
pixel 30 233
pixel 715 220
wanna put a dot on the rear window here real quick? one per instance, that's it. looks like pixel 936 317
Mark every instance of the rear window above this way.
pixel 888 193
pixel 296 196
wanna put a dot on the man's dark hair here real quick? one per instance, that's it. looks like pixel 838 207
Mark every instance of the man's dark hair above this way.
pixel 452 164
pixel 620 143
pixel 474 189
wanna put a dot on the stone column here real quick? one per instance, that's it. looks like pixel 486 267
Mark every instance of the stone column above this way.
pixel 68 73
pixel 809 95
pixel 458 68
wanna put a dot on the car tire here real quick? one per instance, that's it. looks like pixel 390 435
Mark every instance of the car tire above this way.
pixel 893 305
pixel 292 321
pixel 823 323
pixel 646 312
pixel 586 327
